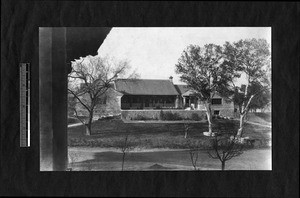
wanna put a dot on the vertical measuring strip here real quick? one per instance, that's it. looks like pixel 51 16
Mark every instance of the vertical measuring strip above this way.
pixel 24 104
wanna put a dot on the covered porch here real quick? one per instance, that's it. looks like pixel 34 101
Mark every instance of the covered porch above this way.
pixel 190 101
pixel 149 101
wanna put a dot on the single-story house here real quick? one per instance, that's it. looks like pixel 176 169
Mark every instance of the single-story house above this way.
pixel 149 94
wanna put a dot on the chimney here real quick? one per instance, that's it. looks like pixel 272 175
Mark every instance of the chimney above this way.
pixel 171 79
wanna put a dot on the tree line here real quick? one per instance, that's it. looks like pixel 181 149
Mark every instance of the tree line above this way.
pixel 214 69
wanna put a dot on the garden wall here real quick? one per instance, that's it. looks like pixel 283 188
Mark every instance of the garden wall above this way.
pixel 156 114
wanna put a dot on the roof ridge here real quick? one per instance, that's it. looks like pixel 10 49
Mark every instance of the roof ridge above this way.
pixel 146 86
pixel 141 79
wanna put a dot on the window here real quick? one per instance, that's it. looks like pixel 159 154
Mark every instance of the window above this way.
pixel 104 100
pixel 170 100
pixel 216 101
pixel 134 100
pixel 125 100
pixel 147 103
pixel 217 112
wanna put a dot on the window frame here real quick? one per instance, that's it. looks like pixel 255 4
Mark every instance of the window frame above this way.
pixel 214 99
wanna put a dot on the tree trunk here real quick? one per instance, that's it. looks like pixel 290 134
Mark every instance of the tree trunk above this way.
pixel 195 167
pixel 209 117
pixel 241 127
pixel 243 116
pixel 185 135
pixel 123 161
pixel 88 130
pixel 223 165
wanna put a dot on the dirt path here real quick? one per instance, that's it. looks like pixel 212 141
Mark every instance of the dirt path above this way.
pixel 77 124
pixel 74 125
pixel 258 124
pixel 160 121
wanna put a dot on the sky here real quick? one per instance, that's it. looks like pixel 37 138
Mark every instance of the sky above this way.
pixel 153 52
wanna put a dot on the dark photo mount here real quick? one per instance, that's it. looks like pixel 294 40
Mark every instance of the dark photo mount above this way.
pixel 20 167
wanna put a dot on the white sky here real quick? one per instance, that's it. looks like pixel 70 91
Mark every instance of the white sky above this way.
pixel 153 52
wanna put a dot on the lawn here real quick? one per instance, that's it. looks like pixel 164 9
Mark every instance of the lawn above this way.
pixel 111 133
pixel 94 159
pixel 259 117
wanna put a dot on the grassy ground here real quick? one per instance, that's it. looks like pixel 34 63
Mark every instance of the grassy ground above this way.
pixel 111 133
pixel 262 118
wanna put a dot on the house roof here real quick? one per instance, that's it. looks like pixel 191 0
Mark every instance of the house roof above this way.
pixel 181 88
pixel 189 93
pixel 145 87
pixel 184 90
pixel 111 85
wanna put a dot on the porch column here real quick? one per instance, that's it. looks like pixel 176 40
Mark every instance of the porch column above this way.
pixel 190 101
pixel 153 101
pixel 184 101
pixel 130 101
pixel 176 102
pixel 53 94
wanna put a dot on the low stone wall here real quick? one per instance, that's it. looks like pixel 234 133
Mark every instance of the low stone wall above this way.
pixel 155 114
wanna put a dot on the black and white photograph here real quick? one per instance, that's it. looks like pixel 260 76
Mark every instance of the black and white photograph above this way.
pixel 149 99
pixel 169 98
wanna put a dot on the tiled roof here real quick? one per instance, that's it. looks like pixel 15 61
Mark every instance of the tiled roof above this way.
pixel 145 87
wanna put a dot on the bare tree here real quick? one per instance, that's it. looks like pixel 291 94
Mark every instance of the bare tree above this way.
pixel 186 129
pixel 193 153
pixel 194 157
pixel 89 81
pixel 125 146
pixel 225 147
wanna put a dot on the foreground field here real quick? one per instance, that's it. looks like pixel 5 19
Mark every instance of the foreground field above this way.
pixel 111 133
pixel 95 159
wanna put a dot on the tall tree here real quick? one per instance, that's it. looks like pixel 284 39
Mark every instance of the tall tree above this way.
pixel 90 79
pixel 252 58
pixel 262 99
pixel 202 70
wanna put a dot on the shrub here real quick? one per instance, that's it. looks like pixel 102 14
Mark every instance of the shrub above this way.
pixel 140 117
pixel 124 114
pixel 195 117
pixel 170 116
pixel 176 116
pixel 161 115
pixel 72 120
